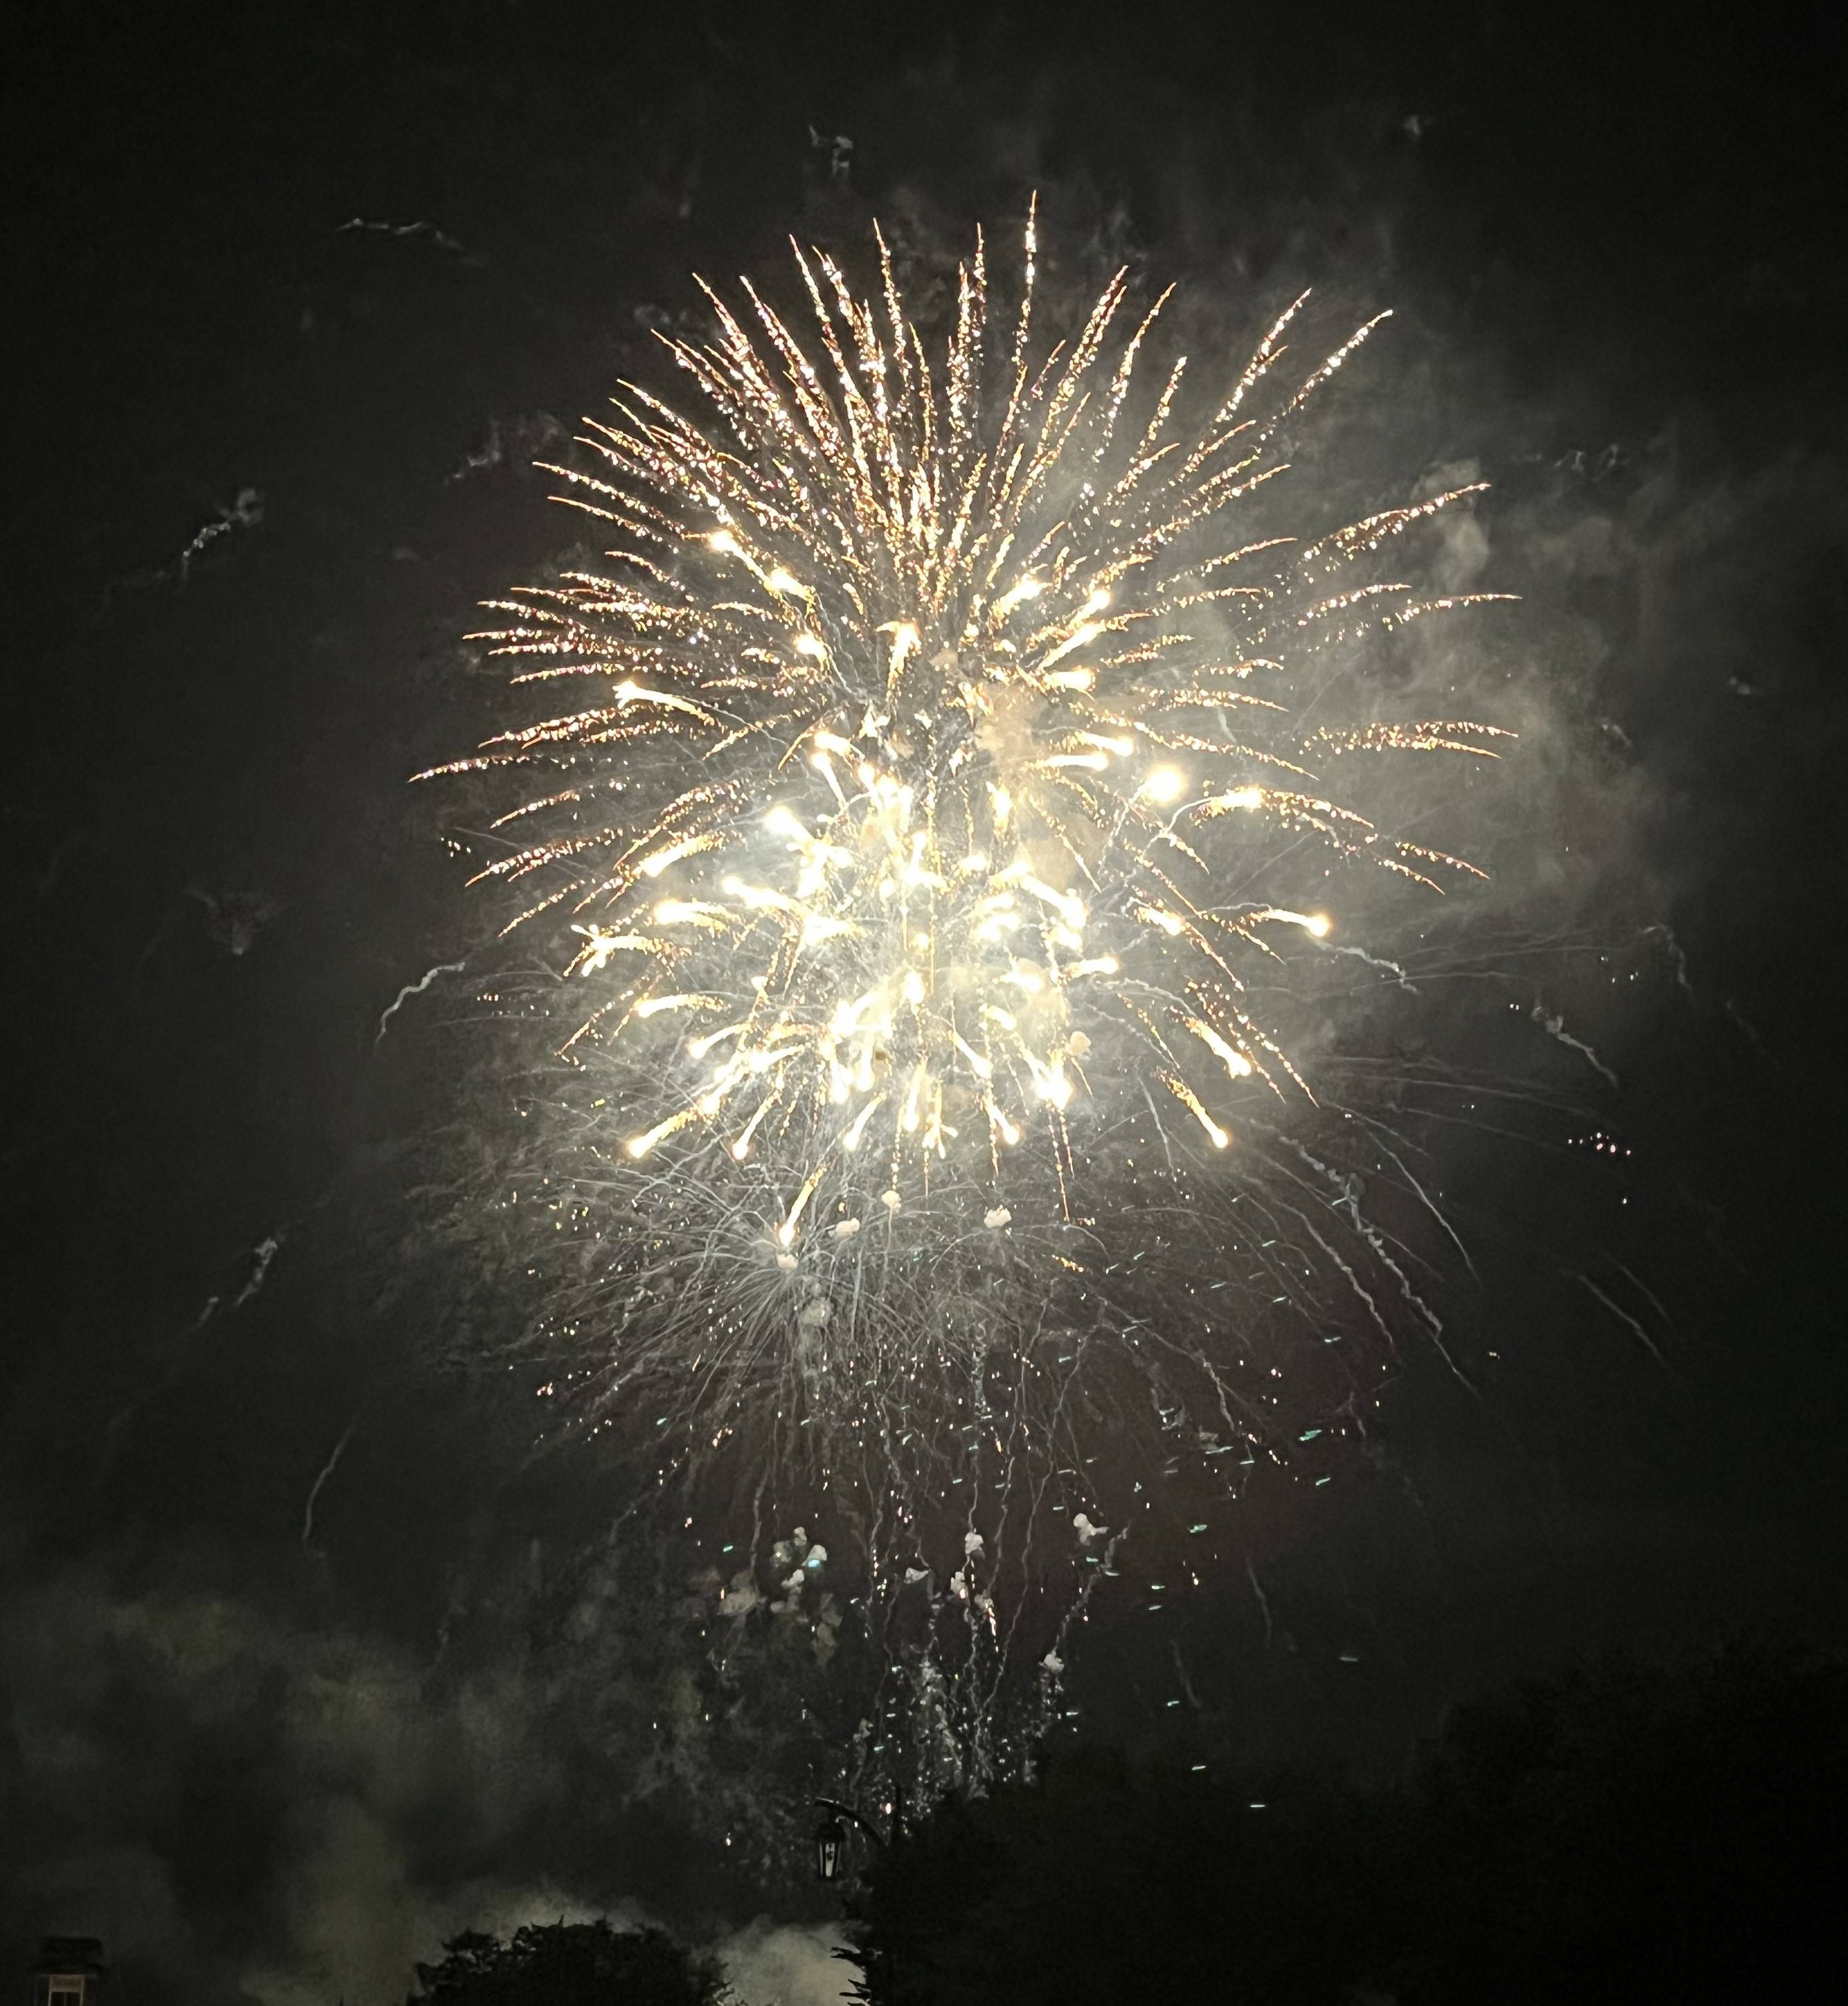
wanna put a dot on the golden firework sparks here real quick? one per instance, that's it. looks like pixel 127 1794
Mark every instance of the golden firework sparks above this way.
pixel 891 664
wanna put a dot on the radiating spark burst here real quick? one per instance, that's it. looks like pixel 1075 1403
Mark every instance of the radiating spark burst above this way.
pixel 940 716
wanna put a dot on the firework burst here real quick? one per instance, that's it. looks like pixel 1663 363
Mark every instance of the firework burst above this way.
pixel 910 869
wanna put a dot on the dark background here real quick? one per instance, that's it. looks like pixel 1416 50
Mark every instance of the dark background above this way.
pixel 275 1758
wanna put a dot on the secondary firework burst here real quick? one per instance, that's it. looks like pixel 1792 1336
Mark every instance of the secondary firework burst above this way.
pixel 902 870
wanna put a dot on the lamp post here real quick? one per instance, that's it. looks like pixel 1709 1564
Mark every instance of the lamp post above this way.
pixel 830 1836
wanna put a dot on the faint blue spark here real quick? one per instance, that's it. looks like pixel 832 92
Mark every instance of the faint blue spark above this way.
pixel 1554 1024
pixel 327 1470
pixel 414 989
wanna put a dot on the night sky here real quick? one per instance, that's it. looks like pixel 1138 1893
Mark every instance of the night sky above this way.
pixel 273 1739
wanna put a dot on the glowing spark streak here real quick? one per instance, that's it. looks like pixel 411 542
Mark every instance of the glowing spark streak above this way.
pixel 858 1126
pixel 1236 1063
pixel 786 1232
pixel 652 1006
pixel 639 1145
pixel 1312 923
pixel 1190 1100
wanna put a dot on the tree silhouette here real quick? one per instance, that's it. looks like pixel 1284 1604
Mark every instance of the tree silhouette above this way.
pixel 568 1964
pixel 1613 1831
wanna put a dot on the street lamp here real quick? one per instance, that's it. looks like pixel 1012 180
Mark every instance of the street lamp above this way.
pixel 830 1836
pixel 831 1845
